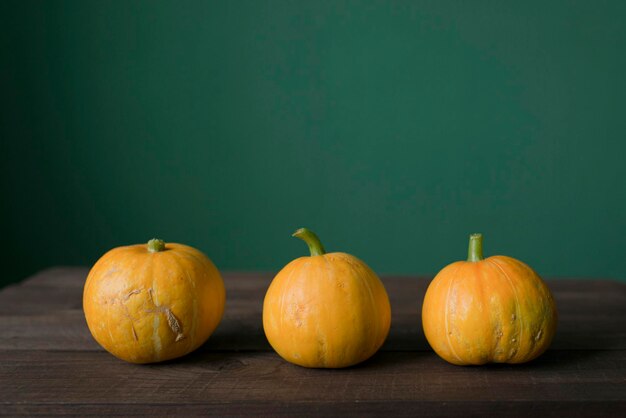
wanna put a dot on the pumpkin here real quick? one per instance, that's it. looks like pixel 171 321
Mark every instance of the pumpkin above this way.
pixel 154 302
pixel 326 310
pixel 488 310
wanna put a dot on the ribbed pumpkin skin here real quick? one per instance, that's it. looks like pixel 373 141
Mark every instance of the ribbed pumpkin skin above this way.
pixel 147 307
pixel 497 310
pixel 327 311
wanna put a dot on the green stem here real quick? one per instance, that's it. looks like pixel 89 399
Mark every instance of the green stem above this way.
pixel 475 251
pixel 155 245
pixel 308 236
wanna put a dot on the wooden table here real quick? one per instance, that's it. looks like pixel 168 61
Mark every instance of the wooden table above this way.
pixel 50 365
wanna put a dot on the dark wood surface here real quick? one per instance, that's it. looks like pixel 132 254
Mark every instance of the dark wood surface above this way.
pixel 50 365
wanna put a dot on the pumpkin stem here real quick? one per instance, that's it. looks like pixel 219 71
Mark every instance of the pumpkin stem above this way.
pixel 475 251
pixel 155 245
pixel 308 236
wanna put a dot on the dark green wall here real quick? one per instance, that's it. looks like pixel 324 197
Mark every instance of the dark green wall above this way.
pixel 394 129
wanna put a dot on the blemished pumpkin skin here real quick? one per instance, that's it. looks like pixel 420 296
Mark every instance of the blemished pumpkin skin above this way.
pixel 155 302
pixel 326 310
pixel 488 310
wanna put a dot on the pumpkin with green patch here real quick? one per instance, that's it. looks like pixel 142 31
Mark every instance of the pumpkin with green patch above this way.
pixel 154 302
pixel 488 310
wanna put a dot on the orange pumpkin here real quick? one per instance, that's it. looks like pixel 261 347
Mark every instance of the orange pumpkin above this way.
pixel 492 310
pixel 154 302
pixel 326 310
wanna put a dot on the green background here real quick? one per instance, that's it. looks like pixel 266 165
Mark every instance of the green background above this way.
pixel 393 129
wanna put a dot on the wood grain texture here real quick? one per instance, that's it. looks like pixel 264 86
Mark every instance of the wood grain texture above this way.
pixel 365 409
pixel 230 377
pixel 50 365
